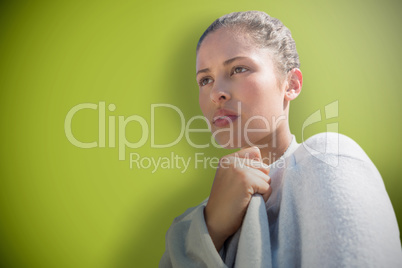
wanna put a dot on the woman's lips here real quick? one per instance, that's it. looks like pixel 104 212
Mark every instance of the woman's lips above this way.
pixel 225 120
pixel 224 117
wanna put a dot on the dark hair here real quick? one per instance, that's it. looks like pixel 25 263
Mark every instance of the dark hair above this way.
pixel 266 31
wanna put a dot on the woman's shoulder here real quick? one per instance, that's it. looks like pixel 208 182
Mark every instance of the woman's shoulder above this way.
pixel 333 162
pixel 332 165
pixel 332 159
pixel 328 147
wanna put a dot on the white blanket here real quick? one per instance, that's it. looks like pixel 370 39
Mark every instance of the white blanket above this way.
pixel 328 208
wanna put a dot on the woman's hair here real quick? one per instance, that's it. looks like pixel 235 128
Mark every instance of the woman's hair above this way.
pixel 266 32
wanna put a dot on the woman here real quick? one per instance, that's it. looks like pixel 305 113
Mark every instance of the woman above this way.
pixel 276 203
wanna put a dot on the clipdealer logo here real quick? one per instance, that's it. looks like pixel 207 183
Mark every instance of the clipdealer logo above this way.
pixel 173 160
pixel 123 143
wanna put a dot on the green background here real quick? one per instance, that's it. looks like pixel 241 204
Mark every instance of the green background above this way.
pixel 63 206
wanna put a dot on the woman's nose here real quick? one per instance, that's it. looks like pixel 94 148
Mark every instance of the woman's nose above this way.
pixel 219 95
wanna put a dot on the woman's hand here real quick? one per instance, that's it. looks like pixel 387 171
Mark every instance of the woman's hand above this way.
pixel 238 177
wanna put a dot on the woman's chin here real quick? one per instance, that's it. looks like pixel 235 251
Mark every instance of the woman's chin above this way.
pixel 234 143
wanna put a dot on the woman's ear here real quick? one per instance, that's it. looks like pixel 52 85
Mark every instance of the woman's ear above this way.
pixel 295 82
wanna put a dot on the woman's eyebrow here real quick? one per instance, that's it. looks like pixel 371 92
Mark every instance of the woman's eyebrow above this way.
pixel 229 61
pixel 206 70
pixel 225 63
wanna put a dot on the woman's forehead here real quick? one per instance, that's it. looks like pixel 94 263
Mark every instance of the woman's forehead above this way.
pixel 226 38
pixel 224 44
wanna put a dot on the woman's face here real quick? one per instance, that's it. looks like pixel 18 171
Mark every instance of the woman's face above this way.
pixel 240 94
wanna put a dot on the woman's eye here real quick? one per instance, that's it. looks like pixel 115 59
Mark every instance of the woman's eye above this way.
pixel 205 81
pixel 239 70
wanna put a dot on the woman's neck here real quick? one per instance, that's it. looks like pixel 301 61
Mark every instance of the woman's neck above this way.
pixel 278 142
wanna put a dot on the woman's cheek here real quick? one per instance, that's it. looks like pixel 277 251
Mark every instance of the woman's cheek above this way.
pixel 202 100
